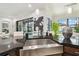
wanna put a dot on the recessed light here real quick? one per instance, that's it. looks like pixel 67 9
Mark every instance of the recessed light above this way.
pixel 69 10
pixel 37 11
pixel 29 5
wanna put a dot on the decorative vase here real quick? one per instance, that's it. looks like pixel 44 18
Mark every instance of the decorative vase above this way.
pixel 67 33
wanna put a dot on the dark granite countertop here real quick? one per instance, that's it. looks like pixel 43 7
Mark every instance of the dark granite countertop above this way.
pixel 6 47
pixel 74 41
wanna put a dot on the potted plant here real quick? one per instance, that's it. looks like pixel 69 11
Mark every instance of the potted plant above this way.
pixel 55 29
pixel 77 29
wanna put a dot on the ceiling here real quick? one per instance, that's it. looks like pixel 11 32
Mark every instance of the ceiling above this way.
pixel 21 10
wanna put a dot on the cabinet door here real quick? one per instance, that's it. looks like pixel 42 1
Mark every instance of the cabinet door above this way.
pixel 71 51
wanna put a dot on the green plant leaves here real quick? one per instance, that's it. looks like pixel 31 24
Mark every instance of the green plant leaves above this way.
pixel 77 29
pixel 55 27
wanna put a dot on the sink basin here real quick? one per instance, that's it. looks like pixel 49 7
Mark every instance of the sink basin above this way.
pixel 39 43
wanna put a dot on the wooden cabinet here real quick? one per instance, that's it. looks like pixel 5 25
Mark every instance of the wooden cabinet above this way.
pixel 71 51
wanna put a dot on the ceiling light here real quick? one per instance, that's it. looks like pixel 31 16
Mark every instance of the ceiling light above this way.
pixel 37 11
pixel 29 5
pixel 69 10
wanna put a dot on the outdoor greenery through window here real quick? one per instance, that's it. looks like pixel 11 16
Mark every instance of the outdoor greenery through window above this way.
pixel 71 22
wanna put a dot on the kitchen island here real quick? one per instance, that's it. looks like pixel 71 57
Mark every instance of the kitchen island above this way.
pixel 41 47
pixel 34 47
pixel 37 47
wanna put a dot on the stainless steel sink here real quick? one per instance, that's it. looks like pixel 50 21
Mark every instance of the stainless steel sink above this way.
pixel 41 47
pixel 39 43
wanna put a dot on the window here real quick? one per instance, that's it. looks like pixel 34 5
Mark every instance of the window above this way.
pixel 72 22
pixel 62 22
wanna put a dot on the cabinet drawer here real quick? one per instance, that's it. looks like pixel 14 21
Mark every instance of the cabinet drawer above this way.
pixel 70 50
